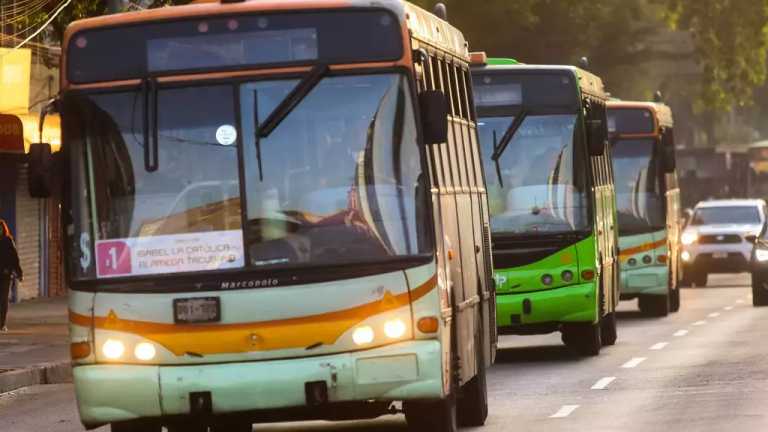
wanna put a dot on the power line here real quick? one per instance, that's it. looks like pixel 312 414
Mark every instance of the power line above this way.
pixel 53 16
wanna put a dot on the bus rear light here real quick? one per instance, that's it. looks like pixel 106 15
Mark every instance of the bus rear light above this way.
pixel 547 279
pixel 428 325
pixel 661 259
pixel 588 274
pixel 632 261
pixel 647 259
pixel 79 350
pixel 567 276
pixel 450 254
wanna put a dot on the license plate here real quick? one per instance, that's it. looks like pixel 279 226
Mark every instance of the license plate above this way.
pixel 720 255
pixel 197 310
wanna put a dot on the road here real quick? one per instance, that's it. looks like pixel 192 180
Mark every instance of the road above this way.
pixel 702 369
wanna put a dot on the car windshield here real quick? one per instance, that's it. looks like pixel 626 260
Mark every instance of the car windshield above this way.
pixel 542 175
pixel 726 215
pixel 639 202
pixel 338 181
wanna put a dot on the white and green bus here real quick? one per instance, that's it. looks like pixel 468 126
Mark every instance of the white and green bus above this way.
pixel 267 218
pixel 648 204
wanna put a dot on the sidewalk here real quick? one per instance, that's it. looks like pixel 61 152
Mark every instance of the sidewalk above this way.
pixel 36 348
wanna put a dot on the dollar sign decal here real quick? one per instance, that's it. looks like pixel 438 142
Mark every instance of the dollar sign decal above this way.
pixel 85 251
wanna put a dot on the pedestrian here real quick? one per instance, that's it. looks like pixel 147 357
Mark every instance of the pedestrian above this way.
pixel 10 270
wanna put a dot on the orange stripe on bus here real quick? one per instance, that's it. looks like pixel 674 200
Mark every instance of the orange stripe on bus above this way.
pixel 642 248
pixel 207 339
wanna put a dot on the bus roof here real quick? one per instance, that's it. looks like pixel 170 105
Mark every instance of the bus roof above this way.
pixel 422 24
pixel 589 83
pixel 662 112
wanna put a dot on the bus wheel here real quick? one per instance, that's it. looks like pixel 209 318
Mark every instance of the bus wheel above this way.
pixel 188 426
pixel 654 305
pixel 674 300
pixel 609 334
pixel 433 416
pixel 232 426
pixel 759 293
pixel 136 426
pixel 583 338
pixel 473 401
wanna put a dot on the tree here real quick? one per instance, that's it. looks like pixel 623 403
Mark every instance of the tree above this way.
pixel 731 42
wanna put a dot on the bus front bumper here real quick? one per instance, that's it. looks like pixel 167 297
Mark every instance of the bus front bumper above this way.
pixel 652 280
pixel 546 309
pixel 113 393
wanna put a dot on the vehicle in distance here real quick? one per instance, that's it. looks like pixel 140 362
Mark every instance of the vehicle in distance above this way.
pixel 715 240
pixel 647 203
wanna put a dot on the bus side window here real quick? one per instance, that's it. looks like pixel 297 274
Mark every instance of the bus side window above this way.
pixel 469 159
pixel 460 127
pixel 449 151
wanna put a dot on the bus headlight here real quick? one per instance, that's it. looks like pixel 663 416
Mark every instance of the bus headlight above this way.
pixel 686 256
pixel 761 255
pixel 363 335
pixel 145 351
pixel 395 328
pixel 689 238
pixel 113 349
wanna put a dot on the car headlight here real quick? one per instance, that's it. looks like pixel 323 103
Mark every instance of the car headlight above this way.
pixel 689 238
pixel 113 349
pixel 761 255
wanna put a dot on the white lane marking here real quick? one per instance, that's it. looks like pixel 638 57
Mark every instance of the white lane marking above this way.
pixel 659 346
pixel 634 362
pixel 728 308
pixel 739 301
pixel 699 323
pixel 564 411
pixel 681 333
pixel 714 315
pixel 602 383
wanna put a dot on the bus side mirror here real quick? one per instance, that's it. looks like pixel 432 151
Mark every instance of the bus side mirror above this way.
pixel 40 175
pixel 434 116
pixel 596 137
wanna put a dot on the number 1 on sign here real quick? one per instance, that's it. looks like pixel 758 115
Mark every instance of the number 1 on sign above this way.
pixel 113 256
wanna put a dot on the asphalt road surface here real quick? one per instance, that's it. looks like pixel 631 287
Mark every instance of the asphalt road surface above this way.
pixel 702 369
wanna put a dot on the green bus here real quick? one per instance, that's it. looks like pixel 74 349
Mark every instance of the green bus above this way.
pixel 543 133
pixel 648 204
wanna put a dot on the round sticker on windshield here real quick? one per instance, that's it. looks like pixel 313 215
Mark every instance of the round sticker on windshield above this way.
pixel 226 135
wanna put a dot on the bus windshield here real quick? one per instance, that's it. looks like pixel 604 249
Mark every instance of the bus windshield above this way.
pixel 639 202
pixel 338 181
pixel 542 172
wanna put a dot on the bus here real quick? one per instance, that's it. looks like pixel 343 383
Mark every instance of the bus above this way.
pixel 648 204
pixel 270 219
pixel 550 188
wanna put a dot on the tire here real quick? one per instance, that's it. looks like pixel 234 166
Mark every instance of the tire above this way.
pixel 232 426
pixel 473 401
pixel 608 331
pixel 674 300
pixel 136 426
pixel 584 339
pixel 188 426
pixel 432 416
pixel 654 305
pixel 700 279
pixel 759 292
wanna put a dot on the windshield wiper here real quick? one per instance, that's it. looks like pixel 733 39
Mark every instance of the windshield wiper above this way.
pixel 302 89
pixel 501 146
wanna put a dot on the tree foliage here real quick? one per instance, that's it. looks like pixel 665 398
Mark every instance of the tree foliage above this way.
pixel 731 42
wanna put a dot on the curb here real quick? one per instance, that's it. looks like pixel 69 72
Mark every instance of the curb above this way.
pixel 44 373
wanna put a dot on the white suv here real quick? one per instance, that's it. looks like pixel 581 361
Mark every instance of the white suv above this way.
pixel 715 239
